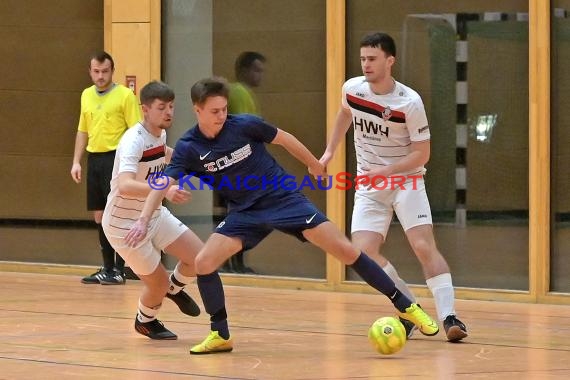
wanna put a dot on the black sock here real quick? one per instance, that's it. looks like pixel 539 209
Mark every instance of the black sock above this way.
pixel 375 276
pixel 213 298
pixel 107 250
pixel 119 263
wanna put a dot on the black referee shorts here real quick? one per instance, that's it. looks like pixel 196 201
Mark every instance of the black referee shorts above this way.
pixel 99 173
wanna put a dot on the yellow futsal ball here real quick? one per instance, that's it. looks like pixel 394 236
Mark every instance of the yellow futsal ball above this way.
pixel 387 335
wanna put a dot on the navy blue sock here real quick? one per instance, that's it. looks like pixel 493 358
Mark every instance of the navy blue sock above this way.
pixel 375 276
pixel 213 298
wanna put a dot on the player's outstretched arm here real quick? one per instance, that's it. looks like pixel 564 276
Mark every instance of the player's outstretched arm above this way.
pixel 300 152
pixel 341 125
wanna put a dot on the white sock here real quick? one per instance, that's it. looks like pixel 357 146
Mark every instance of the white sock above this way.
pixel 442 289
pixel 178 281
pixel 400 284
pixel 146 314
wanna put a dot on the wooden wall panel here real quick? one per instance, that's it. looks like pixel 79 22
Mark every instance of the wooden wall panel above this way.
pixel 131 10
pixel 131 48
pixel 40 187
pixel 82 14
pixel 40 124
pixel 44 67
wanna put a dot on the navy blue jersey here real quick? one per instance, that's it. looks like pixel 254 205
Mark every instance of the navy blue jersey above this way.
pixel 235 162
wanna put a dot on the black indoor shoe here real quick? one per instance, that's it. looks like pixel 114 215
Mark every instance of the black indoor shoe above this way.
pixel 185 303
pixel 454 329
pixel 154 330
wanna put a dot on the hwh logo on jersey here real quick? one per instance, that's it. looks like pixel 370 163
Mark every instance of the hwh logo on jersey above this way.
pixel 224 162
pixel 156 171
pixel 370 127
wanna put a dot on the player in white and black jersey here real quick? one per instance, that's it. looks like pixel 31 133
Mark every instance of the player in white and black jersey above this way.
pixel 392 142
pixel 140 160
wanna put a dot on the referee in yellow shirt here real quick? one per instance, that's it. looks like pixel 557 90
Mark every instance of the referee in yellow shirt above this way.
pixel 107 110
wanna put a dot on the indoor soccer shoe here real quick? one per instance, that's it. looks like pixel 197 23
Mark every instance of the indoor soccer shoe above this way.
pixel 418 317
pixel 94 278
pixel 115 278
pixel 213 344
pixel 185 303
pixel 409 326
pixel 154 330
pixel 454 329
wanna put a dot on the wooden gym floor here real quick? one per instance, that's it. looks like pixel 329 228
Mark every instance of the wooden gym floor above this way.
pixel 53 327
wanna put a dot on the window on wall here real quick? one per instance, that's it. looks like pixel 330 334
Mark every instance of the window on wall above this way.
pixel 203 38
pixel 469 62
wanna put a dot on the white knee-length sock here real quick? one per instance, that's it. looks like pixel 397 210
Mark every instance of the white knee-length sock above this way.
pixel 441 287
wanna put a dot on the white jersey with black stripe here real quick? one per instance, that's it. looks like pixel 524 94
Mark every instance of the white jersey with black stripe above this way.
pixel 141 153
pixel 384 125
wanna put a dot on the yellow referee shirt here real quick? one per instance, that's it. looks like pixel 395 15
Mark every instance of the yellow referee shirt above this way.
pixel 105 117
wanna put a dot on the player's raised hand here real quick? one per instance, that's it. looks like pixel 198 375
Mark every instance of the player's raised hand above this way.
pixel 137 233
pixel 177 195
pixel 76 173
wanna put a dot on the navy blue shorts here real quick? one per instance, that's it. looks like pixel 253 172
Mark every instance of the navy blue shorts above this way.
pixel 291 213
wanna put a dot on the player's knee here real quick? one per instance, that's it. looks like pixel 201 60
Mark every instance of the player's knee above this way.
pixel 347 253
pixel 423 248
pixel 204 265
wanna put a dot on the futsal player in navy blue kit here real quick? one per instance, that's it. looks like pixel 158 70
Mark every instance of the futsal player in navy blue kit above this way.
pixel 223 150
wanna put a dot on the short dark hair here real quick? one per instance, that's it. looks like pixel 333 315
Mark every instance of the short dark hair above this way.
pixel 156 90
pixel 100 57
pixel 209 87
pixel 246 59
pixel 380 40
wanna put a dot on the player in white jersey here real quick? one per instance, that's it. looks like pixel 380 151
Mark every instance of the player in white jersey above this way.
pixel 392 142
pixel 141 157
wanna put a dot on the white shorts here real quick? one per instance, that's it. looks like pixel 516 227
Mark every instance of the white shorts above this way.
pixel 373 210
pixel 145 257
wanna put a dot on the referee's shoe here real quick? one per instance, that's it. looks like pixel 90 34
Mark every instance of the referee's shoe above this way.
pixel 104 277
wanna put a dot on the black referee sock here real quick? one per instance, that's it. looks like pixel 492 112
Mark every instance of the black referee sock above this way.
pixel 375 276
pixel 119 263
pixel 107 251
